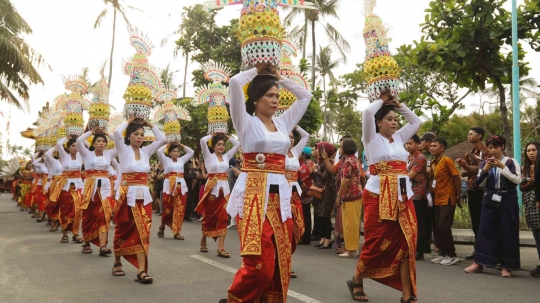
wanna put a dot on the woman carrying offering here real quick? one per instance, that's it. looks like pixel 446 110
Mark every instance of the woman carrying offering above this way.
pixel 213 204
pixel 390 224
pixel 96 208
pixel 55 173
pixel 39 193
pixel 261 197
pixel 68 190
pixel 133 217
pixel 174 187
pixel 292 166
pixel 498 233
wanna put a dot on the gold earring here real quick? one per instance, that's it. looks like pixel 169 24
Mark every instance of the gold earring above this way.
pixel 254 103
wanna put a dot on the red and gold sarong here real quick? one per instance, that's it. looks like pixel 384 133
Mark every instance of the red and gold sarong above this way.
pixel 265 277
pixel 174 209
pixel 70 210
pixel 213 209
pixel 96 219
pixel 296 209
pixel 90 180
pixel 53 208
pixel 132 230
pixel 388 241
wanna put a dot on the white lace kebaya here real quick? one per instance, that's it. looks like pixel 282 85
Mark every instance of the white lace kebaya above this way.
pixel 69 164
pixel 256 138
pixel 214 166
pixel 170 166
pixel 292 163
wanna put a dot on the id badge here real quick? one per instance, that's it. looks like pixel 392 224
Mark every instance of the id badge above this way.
pixel 496 198
pixel 434 183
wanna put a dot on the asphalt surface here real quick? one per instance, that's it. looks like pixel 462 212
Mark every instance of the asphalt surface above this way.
pixel 36 267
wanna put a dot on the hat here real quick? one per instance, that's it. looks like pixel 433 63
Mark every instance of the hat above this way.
pixel 428 136
pixel 307 151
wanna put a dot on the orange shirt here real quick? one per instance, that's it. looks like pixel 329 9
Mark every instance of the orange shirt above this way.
pixel 443 172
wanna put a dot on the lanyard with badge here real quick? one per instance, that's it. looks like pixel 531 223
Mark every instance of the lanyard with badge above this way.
pixel 435 173
pixel 496 197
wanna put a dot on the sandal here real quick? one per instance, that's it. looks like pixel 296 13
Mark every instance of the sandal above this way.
pixel 77 239
pixel 204 248
pixel 178 237
pixel 103 251
pixel 34 216
pixel 352 286
pixel 411 299
pixel 118 272
pixel 222 253
pixel 144 280
pixel 53 228
pixel 64 239
pixel 39 219
pixel 293 275
pixel 87 249
pixel 161 232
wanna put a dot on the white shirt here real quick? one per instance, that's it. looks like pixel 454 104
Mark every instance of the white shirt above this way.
pixel 39 167
pixel 93 162
pixel 118 174
pixel 292 163
pixel 68 164
pixel 256 138
pixel 214 166
pixel 128 163
pixel 379 149
pixel 170 166
pixel 53 165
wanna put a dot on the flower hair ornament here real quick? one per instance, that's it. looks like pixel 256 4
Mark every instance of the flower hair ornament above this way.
pixel 245 89
pixel 209 143
pixel 124 133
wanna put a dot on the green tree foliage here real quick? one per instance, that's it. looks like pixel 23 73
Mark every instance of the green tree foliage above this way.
pixel 466 40
pixel 311 17
pixel 18 60
pixel 529 23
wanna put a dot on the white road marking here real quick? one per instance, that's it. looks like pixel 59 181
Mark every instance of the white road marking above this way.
pixel 291 293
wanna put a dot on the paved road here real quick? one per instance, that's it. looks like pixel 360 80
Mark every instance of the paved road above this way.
pixel 34 266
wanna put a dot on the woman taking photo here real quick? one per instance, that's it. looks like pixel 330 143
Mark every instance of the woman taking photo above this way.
pixel 96 207
pixel 498 233
pixel 175 189
pixel 68 190
pixel 324 207
pixel 261 197
pixel 350 194
pixel 530 204
pixel 390 225
pixel 133 216
pixel 216 192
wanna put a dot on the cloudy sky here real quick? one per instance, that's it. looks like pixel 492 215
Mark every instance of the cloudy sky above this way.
pixel 63 32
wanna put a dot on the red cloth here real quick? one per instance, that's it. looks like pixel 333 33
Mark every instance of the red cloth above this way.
pixel 298 219
pixel 305 176
pixel 133 236
pixel 215 215
pixel 39 199
pixel 328 148
pixel 266 277
pixel 70 210
pixel 387 243
pixel 96 219
pixel 174 209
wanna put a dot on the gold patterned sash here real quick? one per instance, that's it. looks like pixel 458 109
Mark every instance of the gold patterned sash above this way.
pixel 257 166
pixel 210 184
pixel 66 175
pixel 90 181
pixel 388 173
pixel 172 180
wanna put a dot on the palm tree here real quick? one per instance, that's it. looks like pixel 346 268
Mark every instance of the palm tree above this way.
pixel 117 8
pixel 14 150
pixel 324 65
pixel 17 58
pixel 312 17
pixel 27 153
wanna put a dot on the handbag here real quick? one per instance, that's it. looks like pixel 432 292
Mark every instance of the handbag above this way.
pixel 316 192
